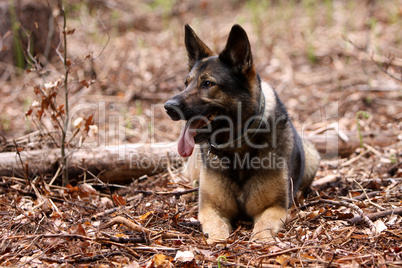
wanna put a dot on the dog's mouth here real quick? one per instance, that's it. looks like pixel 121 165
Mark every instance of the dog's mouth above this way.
pixel 194 132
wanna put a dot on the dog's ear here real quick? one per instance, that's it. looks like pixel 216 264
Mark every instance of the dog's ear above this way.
pixel 196 49
pixel 237 52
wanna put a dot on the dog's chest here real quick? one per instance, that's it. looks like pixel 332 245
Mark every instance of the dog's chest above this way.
pixel 240 168
pixel 234 168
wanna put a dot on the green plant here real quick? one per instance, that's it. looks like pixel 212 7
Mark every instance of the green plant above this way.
pixel 138 105
pixel 365 115
pixel 220 259
pixel 393 158
pixel 15 26
pixel 311 55
pixel 329 5
pixel 4 122
pixel 257 9
pixel 165 7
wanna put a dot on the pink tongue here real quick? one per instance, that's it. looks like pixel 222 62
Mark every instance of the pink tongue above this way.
pixel 186 141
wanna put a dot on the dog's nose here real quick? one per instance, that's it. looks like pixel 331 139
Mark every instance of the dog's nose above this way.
pixel 173 109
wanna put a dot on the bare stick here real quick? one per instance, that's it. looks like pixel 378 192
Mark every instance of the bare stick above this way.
pixel 67 118
pixel 376 215
pixel 367 197
pixel 137 228
pixel 346 204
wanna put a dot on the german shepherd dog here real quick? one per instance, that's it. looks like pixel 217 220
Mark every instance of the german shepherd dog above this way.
pixel 251 161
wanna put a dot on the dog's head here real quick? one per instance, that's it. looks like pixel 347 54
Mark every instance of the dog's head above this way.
pixel 221 91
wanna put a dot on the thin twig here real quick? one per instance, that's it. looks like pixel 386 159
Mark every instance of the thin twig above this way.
pixel 137 228
pixel 270 255
pixel 175 193
pixel 22 163
pixel 367 197
pixel 66 107
pixel 345 204
pixel 377 63
pixel 376 215
pixel 352 160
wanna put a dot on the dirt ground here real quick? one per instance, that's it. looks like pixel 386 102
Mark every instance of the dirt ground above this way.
pixel 335 65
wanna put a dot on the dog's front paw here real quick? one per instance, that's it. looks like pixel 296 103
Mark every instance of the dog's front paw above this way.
pixel 218 231
pixel 220 242
pixel 268 224
pixel 262 237
pixel 217 227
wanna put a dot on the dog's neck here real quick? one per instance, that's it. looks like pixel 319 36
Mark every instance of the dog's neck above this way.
pixel 245 137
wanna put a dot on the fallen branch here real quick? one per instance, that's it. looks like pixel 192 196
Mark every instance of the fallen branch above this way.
pixel 366 195
pixel 105 213
pixel 39 236
pixel 331 145
pixel 81 259
pixel 274 254
pixel 122 164
pixel 361 213
pixel 137 228
pixel 114 164
pixel 376 215
pixel 175 193
pixel 122 240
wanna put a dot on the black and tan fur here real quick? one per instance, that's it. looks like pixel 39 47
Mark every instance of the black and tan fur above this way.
pixel 227 86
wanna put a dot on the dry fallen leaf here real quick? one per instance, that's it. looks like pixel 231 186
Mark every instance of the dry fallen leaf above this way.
pixel 146 215
pixel 282 259
pixel 379 226
pixel 132 264
pixel 184 256
pixel 160 261
pixel 119 200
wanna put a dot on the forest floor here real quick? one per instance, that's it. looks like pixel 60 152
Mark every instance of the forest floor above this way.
pixel 335 65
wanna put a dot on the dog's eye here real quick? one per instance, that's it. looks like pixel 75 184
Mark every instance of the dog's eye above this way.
pixel 186 83
pixel 207 84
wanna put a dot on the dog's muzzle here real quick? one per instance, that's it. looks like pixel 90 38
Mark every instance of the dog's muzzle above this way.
pixel 174 109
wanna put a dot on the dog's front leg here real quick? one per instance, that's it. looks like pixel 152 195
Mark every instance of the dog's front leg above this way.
pixel 217 205
pixel 267 203
pixel 268 223
pixel 214 224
